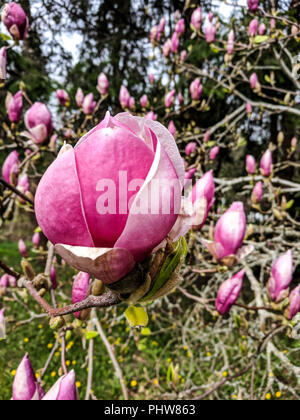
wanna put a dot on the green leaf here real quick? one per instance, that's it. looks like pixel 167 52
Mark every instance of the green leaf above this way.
pixel 90 335
pixel 169 266
pixel 289 204
pixel 5 37
pixel 137 316
pixel 170 373
pixel 260 38
pixel 267 79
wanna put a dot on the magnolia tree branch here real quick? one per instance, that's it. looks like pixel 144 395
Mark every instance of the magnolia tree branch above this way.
pixel 16 191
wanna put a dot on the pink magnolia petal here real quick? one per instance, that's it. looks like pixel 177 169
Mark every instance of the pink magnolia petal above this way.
pixel 215 248
pixel 39 133
pixel 132 160
pixel 58 204
pixel 147 224
pixel 108 265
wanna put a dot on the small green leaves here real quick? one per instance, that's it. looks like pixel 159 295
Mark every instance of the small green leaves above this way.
pixel 90 335
pixel 260 38
pixel 137 316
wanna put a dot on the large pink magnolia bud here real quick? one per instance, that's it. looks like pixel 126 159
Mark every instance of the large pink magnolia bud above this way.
pixel 3 64
pixel 253 27
pixel 64 389
pixel 144 101
pixel 124 97
pixel 38 121
pixel 16 21
pixel 229 292
pixel 93 201
pixel 229 232
pixel 169 99
pixel 294 303
pixel 253 5
pixel 10 167
pixel 230 44
pixel 167 47
pixel 202 197
pixel 250 164
pixel 63 97
pixel 103 84
pixel 89 104
pixel 254 83
pixel 80 289
pixel 262 29
pixel 190 148
pixel 196 20
pixel 172 128
pixel 180 27
pixel 175 43
pixel 79 97
pixel 22 248
pixel 257 193
pixel 266 163
pixel 196 89
pixel 14 106
pixel 25 386
pixel 214 153
pixel 2 324
pixel 36 240
pixel 131 103
pixel 281 277
pixel 210 33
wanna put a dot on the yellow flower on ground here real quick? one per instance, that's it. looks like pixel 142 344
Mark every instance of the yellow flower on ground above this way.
pixel 169 360
pixel 185 348
pixel 225 374
pixel 57 354
pixel 50 346
pixel 133 383
pixel 37 375
pixel 74 362
pixel 268 396
pixel 40 326
pixel 208 354
pixel 278 394
pixel 78 384
pixel 155 381
pixel 26 340
pixel 68 362
pixel 234 397
pixel 13 373
pixel 53 374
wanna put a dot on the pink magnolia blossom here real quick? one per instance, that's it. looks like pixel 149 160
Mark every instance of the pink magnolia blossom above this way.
pixel 151 116
pixel 162 25
pixel 214 152
pixel 23 185
pixel 103 84
pixel 15 20
pixel 11 166
pixel 4 281
pixel 167 48
pixel 254 81
pixel 151 78
pixel 36 240
pixel 257 193
pixel 53 278
pixel 202 198
pixel 63 97
pixel 281 277
pixel 210 33
pixel 86 203
pixel 172 128
pixel 124 97
pixel 180 27
pixel 14 106
pixel 144 101
pixel 131 103
pixel 266 163
pixel 190 148
pixel 183 56
pixel 196 20
pixel 253 27
pixel 229 292
pixel 64 389
pixel 12 281
pixel 38 121
pixel 169 99
pixel 253 5
pixel 180 98
pixel 249 108
pixel 174 43
pixel 22 248
pixel 189 175
pixel 154 34
pixel 262 29
pixel 250 164
pixel 79 97
pixel 89 104
pixel 80 289
pixel 294 303
pixel 196 89
pixel 230 43
pixel 272 23
pixel 3 64
pixel 229 232
pixel 206 137
pixel 25 386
